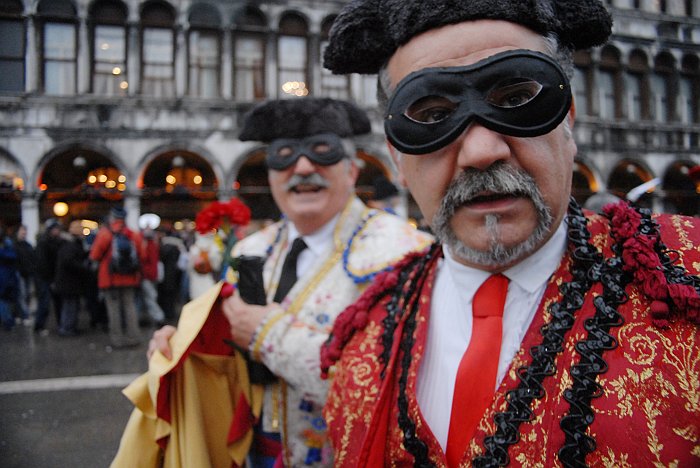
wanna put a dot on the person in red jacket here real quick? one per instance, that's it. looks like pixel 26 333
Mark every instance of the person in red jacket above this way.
pixel 119 288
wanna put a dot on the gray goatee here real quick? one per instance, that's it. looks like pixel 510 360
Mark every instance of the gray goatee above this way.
pixel 498 179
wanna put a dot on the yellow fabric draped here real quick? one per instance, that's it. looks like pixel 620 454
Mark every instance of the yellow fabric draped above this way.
pixel 204 391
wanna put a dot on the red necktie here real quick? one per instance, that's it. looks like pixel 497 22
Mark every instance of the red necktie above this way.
pixel 476 376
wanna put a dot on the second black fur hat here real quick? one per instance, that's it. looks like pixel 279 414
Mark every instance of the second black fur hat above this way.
pixel 298 118
pixel 367 32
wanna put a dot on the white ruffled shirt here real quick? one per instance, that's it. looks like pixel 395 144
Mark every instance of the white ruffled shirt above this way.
pixel 450 324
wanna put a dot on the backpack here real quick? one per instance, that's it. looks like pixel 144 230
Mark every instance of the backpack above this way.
pixel 125 259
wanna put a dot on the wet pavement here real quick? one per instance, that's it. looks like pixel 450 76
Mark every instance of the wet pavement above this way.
pixel 60 397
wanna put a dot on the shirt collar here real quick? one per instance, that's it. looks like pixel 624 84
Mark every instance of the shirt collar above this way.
pixel 529 274
pixel 318 241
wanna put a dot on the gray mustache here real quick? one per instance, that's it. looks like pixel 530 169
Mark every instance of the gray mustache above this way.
pixel 499 179
pixel 309 179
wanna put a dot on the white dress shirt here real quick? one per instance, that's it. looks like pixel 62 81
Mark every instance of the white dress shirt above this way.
pixel 319 245
pixel 450 324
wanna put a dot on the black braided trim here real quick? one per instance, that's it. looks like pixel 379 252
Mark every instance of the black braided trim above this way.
pixel 574 424
pixel 413 444
pixel 405 288
pixel 584 270
pixel 674 273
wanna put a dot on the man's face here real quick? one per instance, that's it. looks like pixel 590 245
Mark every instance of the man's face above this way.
pixel 311 194
pixel 485 228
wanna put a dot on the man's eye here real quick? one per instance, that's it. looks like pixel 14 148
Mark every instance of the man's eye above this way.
pixel 430 109
pixel 514 95
pixel 285 151
pixel 321 148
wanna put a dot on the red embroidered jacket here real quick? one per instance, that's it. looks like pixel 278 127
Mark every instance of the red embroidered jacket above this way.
pixel 607 374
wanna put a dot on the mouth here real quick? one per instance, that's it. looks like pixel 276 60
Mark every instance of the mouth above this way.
pixel 306 188
pixel 491 197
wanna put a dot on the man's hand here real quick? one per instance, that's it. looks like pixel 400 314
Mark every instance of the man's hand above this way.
pixel 244 318
pixel 161 342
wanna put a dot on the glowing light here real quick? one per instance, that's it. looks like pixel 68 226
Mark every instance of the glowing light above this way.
pixel 60 209
pixel 116 71
pixel 123 85
pixel 121 187
pixel 121 179
pixel 178 225
pixel 110 184
pixel 92 179
pixel 42 187
pixel 297 88
pixel 102 178
pixel 170 179
pixel 197 179
pixel 104 46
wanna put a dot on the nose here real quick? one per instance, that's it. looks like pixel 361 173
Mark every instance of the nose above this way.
pixel 480 147
pixel 304 166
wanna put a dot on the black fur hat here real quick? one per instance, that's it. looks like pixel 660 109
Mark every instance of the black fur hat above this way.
pixel 302 117
pixel 367 32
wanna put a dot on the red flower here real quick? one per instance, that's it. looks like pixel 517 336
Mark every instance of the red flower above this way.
pixel 213 216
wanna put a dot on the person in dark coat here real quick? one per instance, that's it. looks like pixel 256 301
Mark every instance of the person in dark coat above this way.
pixel 26 265
pixel 47 250
pixel 9 282
pixel 171 249
pixel 71 276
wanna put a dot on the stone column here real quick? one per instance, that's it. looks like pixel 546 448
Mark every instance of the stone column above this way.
pixel 226 58
pixel 132 205
pixel 31 66
pixel 30 215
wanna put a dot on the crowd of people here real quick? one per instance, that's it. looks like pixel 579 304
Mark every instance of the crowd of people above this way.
pixel 68 272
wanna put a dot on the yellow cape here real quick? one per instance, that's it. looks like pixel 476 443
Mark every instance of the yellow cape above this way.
pixel 204 390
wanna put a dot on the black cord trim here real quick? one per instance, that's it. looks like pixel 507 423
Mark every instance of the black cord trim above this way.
pixel 584 270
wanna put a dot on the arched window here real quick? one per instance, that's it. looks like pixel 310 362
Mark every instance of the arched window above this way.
pixel 157 50
pixel 689 89
pixel 334 86
pixel 249 49
pixel 608 83
pixel 292 56
pixel 662 84
pixel 12 47
pixel 629 175
pixel 58 47
pixel 636 87
pixel 204 47
pixel 680 191
pixel 109 73
pixel 583 182
pixel 581 82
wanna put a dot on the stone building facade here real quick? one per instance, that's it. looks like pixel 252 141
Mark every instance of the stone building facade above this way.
pixel 138 103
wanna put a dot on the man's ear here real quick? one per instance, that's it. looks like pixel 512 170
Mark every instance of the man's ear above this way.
pixel 396 156
pixel 354 170
pixel 572 113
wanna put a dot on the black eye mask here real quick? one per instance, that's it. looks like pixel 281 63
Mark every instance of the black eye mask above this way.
pixel 520 93
pixel 324 149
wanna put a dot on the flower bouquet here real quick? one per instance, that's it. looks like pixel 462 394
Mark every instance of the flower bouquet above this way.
pixel 223 219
